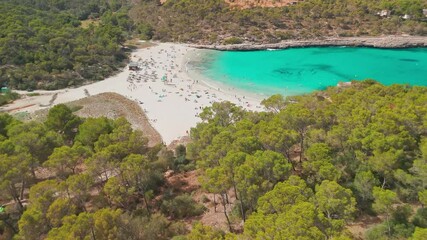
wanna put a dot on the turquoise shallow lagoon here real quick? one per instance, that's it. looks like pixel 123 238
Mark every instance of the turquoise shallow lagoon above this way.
pixel 302 70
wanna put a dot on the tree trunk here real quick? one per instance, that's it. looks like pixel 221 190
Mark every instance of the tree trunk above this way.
pixel 16 198
pixel 22 189
pixel 235 190
pixel 18 201
pixel 214 202
pixel 225 211
pixel 146 204
pixel 301 147
pixel 234 185
pixel 242 210
pixel 93 233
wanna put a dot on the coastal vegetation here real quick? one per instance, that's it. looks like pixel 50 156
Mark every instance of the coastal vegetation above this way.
pixel 56 44
pixel 43 46
pixel 312 164
pixel 214 21
pixel 307 168
pixel 7 97
pixel 94 178
pixel 82 9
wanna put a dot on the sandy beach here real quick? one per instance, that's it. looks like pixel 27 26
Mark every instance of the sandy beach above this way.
pixel 170 96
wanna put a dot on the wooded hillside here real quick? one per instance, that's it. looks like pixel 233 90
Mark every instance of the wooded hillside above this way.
pixel 214 21
pixel 306 169
pixel 261 3
pixel 312 164
pixel 56 44
pixel 43 47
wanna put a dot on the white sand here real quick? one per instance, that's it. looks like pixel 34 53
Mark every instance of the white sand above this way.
pixel 171 106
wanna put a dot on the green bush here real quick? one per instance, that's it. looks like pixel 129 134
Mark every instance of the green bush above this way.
pixel 377 232
pixel 420 218
pixel 233 40
pixel 8 97
pixel 145 31
pixel 181 206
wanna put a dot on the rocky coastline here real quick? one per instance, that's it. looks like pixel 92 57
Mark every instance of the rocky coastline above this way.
pixel 377 42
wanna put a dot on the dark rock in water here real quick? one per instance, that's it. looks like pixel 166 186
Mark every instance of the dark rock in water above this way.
pixel 282 71
pixel 408 60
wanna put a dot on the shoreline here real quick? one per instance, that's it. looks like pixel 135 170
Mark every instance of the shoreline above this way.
pixel 392 42
pixel 171 99
pixel 205 81
pixel 166 88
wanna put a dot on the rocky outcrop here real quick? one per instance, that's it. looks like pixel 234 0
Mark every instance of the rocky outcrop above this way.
pixel 378 42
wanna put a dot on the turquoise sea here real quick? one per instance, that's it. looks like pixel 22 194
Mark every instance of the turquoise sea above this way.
pixel 303 70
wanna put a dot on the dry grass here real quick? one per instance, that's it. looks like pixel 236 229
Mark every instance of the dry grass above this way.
pixel 137 43
pixel 359 227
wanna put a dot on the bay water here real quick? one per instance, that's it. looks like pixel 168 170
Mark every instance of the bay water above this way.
pixel 296 71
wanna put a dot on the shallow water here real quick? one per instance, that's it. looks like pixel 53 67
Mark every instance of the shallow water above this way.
pixel 303 70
